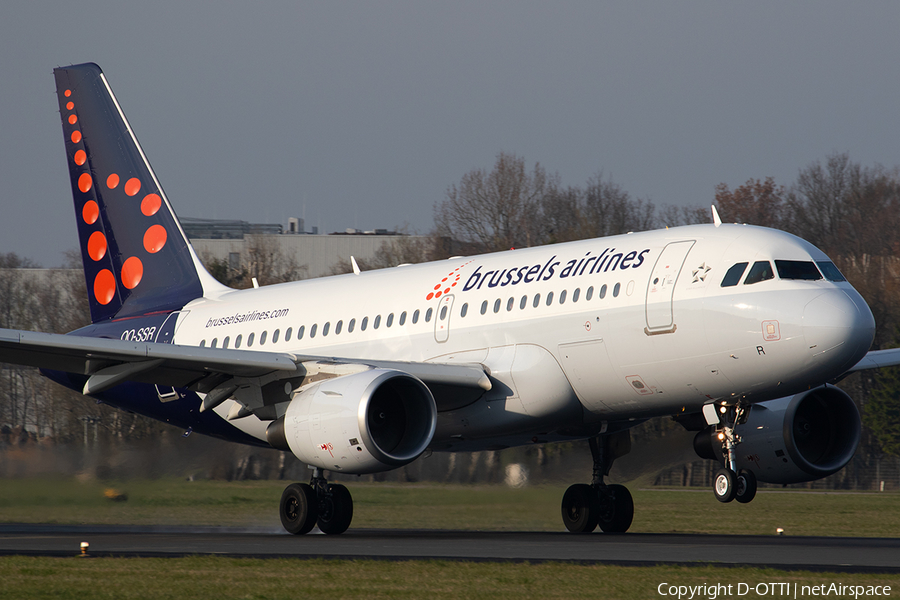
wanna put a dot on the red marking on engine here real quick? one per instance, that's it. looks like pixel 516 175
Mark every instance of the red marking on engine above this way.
pixel 104 286
pixel 85 182
pixel 155 238
pixel 132 271
pixel 97 245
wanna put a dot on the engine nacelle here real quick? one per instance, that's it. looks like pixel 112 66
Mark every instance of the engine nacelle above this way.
pixel 795 439
pixel 367 422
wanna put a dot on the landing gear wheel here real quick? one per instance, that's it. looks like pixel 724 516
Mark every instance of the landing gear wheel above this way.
pixel 298 508
pixel 616 509
pixel 580 508
pixel 335 509
pixel 745 490
pixel 725 485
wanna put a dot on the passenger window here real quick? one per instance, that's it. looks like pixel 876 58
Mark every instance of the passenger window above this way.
pixel 237 340
pixel 443 313
pixel 575 294
pixel 523 302
pixel 510 303
pixel 262 338
pixel 464 309
pixel 416 316
pixel 325 328
pixel 562 297
pixel 351 325
pixel 202 343
pixel 797 269
pixel 225 341
pixel 831 272
pixel 603 292
pixel 497 305
pixel 484 307
pixel 364 324
pixel 733 275
pixel 616 289
pixel 213 343
pixel 300 331
pixel 402 318
pixel 760 271
pixel 428 315
pixel 390 320
pixel 337 327
pixel 275 336
pixel 589 294
pixel 250 339
pixel 377 322
pixel 287 334
pixel 312 330
pixel 537 300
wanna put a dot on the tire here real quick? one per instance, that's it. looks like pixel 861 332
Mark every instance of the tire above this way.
pixel 580 508
pixel 745 490
pixel 616 509
pixel 335 510
pixel 725 485
pixel 298 508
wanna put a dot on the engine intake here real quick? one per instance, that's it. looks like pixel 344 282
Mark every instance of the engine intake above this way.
pixel 367 422
pixel 795 439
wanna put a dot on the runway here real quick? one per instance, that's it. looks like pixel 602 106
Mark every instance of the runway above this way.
pixel 784 552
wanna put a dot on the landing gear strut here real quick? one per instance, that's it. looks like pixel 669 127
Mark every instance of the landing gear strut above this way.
pixel 731 484
pixel 584 507
pixel 328 505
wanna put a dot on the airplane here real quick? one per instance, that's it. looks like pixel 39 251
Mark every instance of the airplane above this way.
pixel 737 332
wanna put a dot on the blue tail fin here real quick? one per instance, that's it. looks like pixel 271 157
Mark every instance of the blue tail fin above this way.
pixel 136 257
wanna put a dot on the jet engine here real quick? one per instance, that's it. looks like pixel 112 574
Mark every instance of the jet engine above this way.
pixel 367 422
pixel 794 439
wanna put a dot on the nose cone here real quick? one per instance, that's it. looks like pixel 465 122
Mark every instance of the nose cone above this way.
pixel 838 327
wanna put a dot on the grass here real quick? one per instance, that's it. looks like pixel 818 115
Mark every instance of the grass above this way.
pixel 216 577
pixel 253 504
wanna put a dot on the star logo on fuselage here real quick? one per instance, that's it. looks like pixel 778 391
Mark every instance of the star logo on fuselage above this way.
pixel 700 273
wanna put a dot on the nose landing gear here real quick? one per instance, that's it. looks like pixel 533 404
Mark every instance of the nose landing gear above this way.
pixel 731 484
pixel 584 506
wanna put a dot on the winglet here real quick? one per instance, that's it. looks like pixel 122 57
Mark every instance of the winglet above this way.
pixel 715 215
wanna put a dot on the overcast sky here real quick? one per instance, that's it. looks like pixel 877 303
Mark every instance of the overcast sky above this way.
pixel 361 114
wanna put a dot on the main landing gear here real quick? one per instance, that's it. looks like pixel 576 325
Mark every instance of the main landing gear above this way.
pixel 584 506
pixel 327 505
pixel 731 484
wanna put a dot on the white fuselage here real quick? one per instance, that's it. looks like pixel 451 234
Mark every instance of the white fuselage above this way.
pixel 591 332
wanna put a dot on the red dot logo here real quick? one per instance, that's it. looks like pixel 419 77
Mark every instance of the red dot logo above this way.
pixel 155 238
pixel 80 157
pixel 76 136
pixel 85 182
pixel 97 245
pixel 132 271
pixel 112 181
pixel 90 212
pixel 104 286
pixel 67 93
pixel 150 204
pixel 132 186
pixel 73 119
pixel 70 105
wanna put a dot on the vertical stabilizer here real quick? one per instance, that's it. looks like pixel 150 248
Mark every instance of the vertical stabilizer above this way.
pixel 136 257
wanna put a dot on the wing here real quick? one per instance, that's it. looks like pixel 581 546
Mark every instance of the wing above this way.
pixel 217 372
pixel 877 359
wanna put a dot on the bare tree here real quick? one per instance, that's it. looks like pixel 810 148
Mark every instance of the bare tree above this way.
pixel 755 203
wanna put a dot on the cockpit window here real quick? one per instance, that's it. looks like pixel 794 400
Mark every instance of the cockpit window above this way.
pixel 830 271
pixel 733 276
pixel 760 271
pixel 797 269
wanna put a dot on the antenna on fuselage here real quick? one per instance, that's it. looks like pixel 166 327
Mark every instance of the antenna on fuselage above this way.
pixel 715 215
